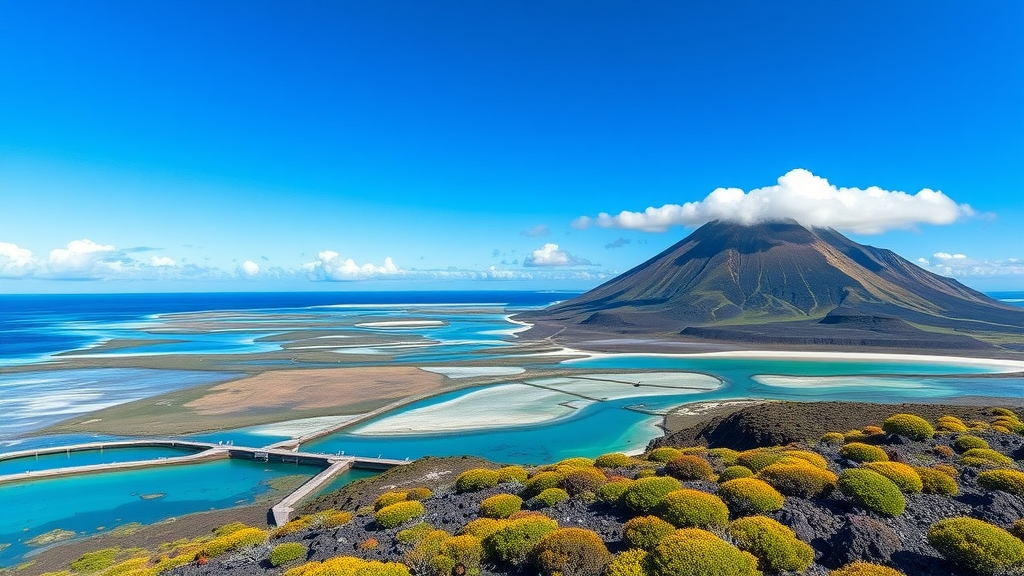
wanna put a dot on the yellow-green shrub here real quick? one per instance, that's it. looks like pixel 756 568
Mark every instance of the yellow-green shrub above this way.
pixel 286 552
pixel 904 477
pixel 1018 529
pixel 750 496
pixel 645 531
pixel 476 479
pixel 482 527
pixel 613 460
pixel 695 552
pixel 423 493
pixel 999 411
pixel 872 430
pixel 942 451
pixel 977 546
pixel 645 494
pixel 238 539
pixel 571 551
pixel 984 457
pixel 389 498
pixel 512 474
pixel 1010 481
pixel 399 513
pixel 96 560
pixel 551 496
pixel 229 528
pixel 514 539
pixel 946 469
pixel 414 534
pixel 349 566
pixel 688 467
pixel 500 506
pixel 758 459
pixel 612 491
pixel 855 436
pixel 577 462
pixel 967 442
pixel 645 473
pixel 832 438
pixel 801 480
pixel 861 452
pixel 439 553
pixel 908 425
pixel 951 424
pixel 333 518
pixel 583 479
pixel 541 482
pixel 859 568
pixel 810 457
pixel 727 456
pixel 628 563
pixel 169 563
pixel 934 481
pixel 138 566
pixel 688 508
pixel 663 454
pixel 872 490
pixel 776 546
pixel 734 472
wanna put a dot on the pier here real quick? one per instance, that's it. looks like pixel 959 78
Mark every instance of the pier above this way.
pixel 204 451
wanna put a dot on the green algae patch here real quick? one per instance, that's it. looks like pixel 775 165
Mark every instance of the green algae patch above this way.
pixel 126 529
pixel 55 535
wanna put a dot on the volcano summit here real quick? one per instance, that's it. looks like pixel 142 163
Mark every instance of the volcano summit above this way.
pixel 786 284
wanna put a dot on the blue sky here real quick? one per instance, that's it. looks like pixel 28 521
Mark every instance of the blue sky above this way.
pixel 169 145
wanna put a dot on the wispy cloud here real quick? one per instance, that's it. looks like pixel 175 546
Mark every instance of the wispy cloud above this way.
pixel 536 231
pixel 802 196
pixel 88 260
pixel 617 243
pixel 958 265
pixel 551 255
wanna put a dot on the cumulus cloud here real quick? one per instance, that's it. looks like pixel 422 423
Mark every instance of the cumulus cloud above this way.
pixel 15 261
pixel 249 269
pixel 329 265
pixel 957 265
pixel 802 196
pixel 162 261
pixel 536 231
pixel 551 255
pixel 617 243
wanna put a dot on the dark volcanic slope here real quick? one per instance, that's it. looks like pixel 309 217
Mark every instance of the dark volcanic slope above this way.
pixel 733 282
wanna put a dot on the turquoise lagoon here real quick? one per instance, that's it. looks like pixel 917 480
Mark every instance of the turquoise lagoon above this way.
pixel 89 457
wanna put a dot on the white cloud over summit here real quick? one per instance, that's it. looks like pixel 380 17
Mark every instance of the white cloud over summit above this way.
pixel 802 196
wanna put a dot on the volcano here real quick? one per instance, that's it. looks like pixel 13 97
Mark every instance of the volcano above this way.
pixel 784 283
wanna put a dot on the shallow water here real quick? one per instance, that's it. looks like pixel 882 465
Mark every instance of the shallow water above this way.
pixel 89 457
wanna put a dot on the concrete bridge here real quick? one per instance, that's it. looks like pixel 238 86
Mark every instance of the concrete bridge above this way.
pixel 202 452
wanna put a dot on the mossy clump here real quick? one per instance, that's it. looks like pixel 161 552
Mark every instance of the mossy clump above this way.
pixel 628 563
pixel 811 458
pixel 946 469
pixel 758 459
pixel 571 551
pixel 550 497
pixel 419 494
pixel 942 451
pixel 832 438
pixel 438 553
pixel 482 527
pixel 645 494
pixel 613 460
pixel 750 496
pixel 934 481
pixel 696 552
pixel 500 506
pixel 951 424
pixel 968 442
pixel 776 546
pixel 347 565
pixel 514 539
pixel 688 508
pixel 512 474
pixel 389 498
pixel 476 479
pixel 1004 412
pixel 96 560
pixel 542 481
pixel 583 479
pixel 734 472
pixel 727 456
pixel 985 458
pixel 645 532
pixel 414 534
pixel 861 452
pixel 1009 481
pixel 612 491
pixel 802 480
pixel 978 546
pixel 233 541
pixel 859 568
pixel 286 552
pixel 872 490
pixel 903 476
pixel 909 425
pixel 688 467
pixel 577 462
pixel 663 454
pixel 399 513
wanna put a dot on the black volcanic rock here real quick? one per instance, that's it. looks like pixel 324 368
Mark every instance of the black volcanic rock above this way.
pixel 784 283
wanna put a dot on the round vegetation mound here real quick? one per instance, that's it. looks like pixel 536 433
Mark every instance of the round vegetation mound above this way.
pixel 688 508
pixel 733 472
pixel 550 497
pixel 909 425
pixel 950 424
pixel 389 498
pixel 985 458
pixel 645 494
pixel 688 467
pixel 399 513
pixel 476 479
pixel 571 551
pixel 904 477
pixel 663 454
pixel 286 552
pixel 802 480
pixel 832 438
pixel 872 491
pixel 758 459
pixel 345 565
pixel 865 569
pixel 512 474
pixel 514 539
pixel 541 481
pixel 612 491
pixel 746 496
pixel 1010 481
pixel 968 442
pixel 645 532
pixel 577 462
pixel 776 546
pixel 628 563
pixel 695 552
pixel 613 460
pixel 500 506
pixel 935 481
pixel 583 479
pixel 977 546
pixel 861 452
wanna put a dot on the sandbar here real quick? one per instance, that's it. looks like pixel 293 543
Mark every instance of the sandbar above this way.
pixel 401 324
pixel 473 371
